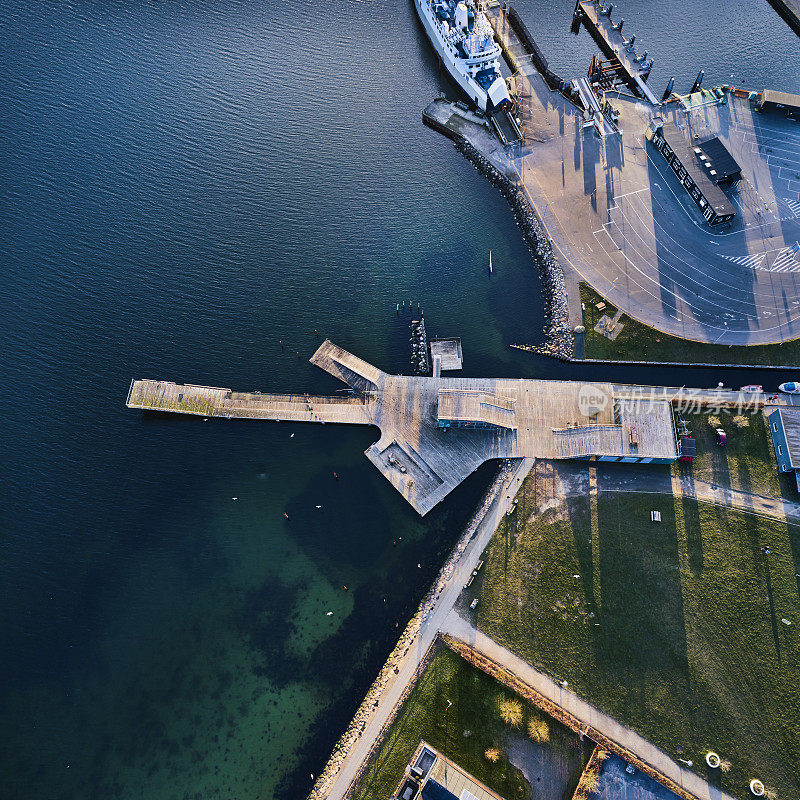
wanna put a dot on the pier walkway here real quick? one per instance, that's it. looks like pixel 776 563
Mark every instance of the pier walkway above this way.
pixel 434 432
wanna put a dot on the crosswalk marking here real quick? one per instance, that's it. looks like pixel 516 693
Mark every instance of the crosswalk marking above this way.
pixel 785 261
pixel 752 261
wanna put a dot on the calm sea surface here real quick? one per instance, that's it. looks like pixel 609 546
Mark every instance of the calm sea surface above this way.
pixel 186 183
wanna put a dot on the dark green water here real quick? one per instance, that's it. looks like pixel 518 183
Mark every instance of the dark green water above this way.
pixel 186 184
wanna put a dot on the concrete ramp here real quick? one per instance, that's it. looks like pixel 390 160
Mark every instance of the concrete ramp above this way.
pixel 352 370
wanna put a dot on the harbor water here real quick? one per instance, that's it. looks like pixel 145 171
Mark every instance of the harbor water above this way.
pixel 201 191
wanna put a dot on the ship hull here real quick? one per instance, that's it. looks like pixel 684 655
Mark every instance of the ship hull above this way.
pixel 474 91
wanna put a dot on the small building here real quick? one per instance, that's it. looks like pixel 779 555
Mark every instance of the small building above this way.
pixel 695 170
pixel 784 426
pixel 780 102
pixel 439 778
pixel 473 408
pixel 643 432
pixel 720 166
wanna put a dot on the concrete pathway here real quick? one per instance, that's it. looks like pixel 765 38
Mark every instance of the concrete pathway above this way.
pixel 648 482
pixel 408 667
pixel 586 713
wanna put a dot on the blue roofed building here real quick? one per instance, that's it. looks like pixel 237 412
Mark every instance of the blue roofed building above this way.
pixel 784 426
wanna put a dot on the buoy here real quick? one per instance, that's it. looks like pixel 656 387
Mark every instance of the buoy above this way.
pixel 335 476
pixel 315 333
pixel 280 342
pixel 285 515
pixel 345 588
pixel 298 354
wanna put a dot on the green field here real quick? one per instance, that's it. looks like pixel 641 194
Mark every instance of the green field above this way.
pixel 639 342
pixel 675 629
pixel 746 462
pixel 463 732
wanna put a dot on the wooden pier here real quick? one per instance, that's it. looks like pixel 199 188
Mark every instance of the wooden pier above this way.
pixel 429 443
pixel 206 401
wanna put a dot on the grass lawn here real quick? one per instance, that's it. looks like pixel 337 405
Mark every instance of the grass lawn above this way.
pixel 639 342
pixel 746 462
pixel 675 629
pixel 463 733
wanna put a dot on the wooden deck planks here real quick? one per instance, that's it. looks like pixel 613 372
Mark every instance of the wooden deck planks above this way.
pixel 405 409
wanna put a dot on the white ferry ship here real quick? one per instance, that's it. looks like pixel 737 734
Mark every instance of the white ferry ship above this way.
pixel 464 39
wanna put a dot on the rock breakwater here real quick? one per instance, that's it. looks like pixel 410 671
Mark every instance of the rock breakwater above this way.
pixel 558 340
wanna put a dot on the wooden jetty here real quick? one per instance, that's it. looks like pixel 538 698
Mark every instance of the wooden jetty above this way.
pixel 435 431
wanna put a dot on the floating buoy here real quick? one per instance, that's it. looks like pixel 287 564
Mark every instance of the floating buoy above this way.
pixel 280 342
pixel 335 476
pixel 285 515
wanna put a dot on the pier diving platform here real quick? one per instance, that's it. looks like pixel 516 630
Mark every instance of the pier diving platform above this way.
pixel 434 432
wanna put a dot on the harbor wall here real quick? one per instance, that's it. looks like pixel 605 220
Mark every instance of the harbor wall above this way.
pixel 538 60
pixel 789 10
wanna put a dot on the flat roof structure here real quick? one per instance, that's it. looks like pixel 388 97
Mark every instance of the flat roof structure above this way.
pixel 443 779
pixel 790 417
pixel 714 152
pixel 772 100
pixel 474 407
pixel 687 163
pixel 643 433
pixel 450 352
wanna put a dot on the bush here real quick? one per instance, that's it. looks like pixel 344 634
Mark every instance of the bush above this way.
pixel 493 754
pixel 511 712
pixel 538 730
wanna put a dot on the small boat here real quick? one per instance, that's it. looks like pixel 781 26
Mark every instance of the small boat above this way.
pixel 753 388
pixel 790 387
pixel 490 262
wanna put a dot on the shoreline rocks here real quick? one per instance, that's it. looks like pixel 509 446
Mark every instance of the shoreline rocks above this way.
pixel 390 669
pixel 558 338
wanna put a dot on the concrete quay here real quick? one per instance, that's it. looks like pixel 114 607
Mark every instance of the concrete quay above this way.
pixel 618 217
pixel 790 11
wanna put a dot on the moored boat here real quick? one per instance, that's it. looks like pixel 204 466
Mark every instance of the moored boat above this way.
pixel 462 36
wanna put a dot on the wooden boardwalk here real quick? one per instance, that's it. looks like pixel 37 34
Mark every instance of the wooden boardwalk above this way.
pixel 206 401
pixel 424 461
